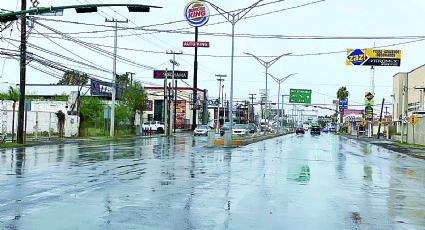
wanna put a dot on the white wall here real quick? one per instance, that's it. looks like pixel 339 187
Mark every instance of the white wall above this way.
pixel 42 117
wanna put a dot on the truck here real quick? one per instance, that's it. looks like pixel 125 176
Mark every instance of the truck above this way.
pixel 155 126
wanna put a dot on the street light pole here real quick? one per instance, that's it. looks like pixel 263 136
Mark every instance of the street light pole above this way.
pixel 280 81
pixel 267 65
pixel 233 18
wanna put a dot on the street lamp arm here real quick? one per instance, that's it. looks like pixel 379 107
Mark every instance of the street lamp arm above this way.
pixel 277 58
pixel 284 78
pixel 262 62
pixel 246 11
pixel 274 78
pixel 222 12
pixel 232 17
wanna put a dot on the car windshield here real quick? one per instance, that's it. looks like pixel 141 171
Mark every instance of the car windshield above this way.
pixel 239 126
pixel 202 127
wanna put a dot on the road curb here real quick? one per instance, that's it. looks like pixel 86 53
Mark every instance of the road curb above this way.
pixel 390 145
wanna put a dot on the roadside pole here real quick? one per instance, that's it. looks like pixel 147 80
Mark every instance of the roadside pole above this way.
pixel 380 117
pixel 220 79
pixel 114 75
pixel 403 108
pixel 165 104
pixel 172 115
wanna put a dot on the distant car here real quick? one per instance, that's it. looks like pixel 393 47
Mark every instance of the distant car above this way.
pixel 264 124
pixel 239 130
pixel 225 127
pixel 252 128
pixel 332 129
pixel 201 130
pixel 315 129
pixel 299 130
pixel 325 129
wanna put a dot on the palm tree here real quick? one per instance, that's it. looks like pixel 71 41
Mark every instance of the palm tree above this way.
pixel 342 94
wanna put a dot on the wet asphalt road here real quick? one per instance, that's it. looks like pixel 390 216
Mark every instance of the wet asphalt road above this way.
pixel 290 182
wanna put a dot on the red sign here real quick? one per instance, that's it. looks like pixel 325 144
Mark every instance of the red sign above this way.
pixel 196 44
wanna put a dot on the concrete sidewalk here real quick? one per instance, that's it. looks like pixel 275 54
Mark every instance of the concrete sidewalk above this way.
pixel 390 145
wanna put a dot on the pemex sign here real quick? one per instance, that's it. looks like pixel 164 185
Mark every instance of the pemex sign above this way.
pixel 373 57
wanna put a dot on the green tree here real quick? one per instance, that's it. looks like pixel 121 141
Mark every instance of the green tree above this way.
pixel 73 78
pixel 134 97
pixel 61 122
pixel 342 93
pixel 122 79
pixel 90 107
pixel 11 94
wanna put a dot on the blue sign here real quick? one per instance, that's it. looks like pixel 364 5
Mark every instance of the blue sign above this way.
pixel 343 104
pixel 357 57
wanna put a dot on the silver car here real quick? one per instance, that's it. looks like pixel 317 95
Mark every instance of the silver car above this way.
pixel 201 130
pixel 240 130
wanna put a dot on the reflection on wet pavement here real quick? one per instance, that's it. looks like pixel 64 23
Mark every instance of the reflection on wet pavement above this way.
pixel 290 182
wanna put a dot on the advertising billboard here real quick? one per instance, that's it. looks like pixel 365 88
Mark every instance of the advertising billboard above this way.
pixel 373 57
pixel 104 89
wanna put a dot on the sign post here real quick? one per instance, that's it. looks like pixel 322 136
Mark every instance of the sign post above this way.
pixel 372 57
pixel 412 120
pixel 197 14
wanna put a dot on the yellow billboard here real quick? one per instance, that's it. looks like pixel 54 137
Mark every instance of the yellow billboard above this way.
pixel 373 57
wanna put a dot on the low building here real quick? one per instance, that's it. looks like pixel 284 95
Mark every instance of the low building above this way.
pixel 183 106
pixel 410 103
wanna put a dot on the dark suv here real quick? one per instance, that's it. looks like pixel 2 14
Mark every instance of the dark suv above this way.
pixel 224 127
pixel 299 130
pixel 315 129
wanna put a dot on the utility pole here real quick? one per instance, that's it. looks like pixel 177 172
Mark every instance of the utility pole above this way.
pixel 172 115
pixel 22 74
pixel 251 115
pixel 114 75
pixel 267 65
pixel 220 79
pixel 131 77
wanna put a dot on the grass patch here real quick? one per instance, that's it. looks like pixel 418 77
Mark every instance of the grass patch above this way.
pixel 13 144
pixel 413 146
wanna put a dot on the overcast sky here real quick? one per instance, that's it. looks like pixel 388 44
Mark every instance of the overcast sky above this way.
pixel 145 47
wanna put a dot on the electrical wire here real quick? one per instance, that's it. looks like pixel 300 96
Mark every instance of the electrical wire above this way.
pixel 97 49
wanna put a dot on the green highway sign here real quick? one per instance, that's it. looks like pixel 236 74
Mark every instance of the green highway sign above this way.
pixel 300 96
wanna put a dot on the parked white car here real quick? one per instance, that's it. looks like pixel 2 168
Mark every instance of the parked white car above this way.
pixel 155 126
pixel 239 130
pixel 201 130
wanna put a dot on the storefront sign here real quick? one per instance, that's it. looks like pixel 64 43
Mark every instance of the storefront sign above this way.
pixel 196 13
pixel 161 74
pixel 196 44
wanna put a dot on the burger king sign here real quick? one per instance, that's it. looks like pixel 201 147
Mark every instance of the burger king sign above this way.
pixel 196 13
